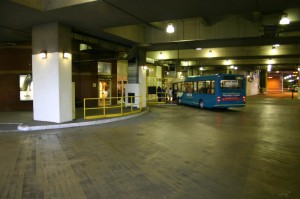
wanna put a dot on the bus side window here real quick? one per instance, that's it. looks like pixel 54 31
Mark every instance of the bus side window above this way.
pixel 201 85
pixel 212 87
pixel 207 87
pixel 190 87
pixel 195 87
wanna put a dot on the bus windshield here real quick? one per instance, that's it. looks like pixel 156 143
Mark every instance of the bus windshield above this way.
pixel 231 84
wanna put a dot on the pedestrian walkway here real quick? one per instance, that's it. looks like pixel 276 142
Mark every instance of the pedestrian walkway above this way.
pixel 23 121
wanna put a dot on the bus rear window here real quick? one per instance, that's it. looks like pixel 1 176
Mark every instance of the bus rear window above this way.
pixel 231 84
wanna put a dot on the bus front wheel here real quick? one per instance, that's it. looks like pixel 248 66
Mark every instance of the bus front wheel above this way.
pixel 201 104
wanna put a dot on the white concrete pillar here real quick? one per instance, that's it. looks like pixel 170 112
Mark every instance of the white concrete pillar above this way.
pixel 52 76
pixel 142 84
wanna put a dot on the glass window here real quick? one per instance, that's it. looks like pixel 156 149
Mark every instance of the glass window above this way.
pixel 188 87
pixel 212 91
pixel 208 87
pixel 201 86
pixel 104 68
pixel 195 87
pixel 231 84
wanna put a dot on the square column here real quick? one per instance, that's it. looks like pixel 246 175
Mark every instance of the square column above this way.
pixel 52 75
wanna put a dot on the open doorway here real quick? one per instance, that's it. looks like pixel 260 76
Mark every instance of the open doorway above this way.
pixel 104 88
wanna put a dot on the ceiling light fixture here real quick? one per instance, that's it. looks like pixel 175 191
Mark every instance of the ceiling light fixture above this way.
pixel 170 28
pixel 227 62
pixel 270 61
pixel 210 53
pixel 160 56
pixel 284 20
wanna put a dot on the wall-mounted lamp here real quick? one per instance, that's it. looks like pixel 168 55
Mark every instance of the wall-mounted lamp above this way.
pixel 170 28
pixel 66 55
pixel 284 20
pixel 43 54
pixel 144 67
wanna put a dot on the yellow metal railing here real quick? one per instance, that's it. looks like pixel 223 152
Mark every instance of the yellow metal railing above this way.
pixel 126 106
pixel 158 98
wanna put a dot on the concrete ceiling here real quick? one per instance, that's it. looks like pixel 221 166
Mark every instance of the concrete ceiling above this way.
pixel 233 28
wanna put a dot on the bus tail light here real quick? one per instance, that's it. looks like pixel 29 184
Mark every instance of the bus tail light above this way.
pixel 219 99
pixel 244 98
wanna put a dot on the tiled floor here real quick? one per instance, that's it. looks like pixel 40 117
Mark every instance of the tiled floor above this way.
pixel 173 152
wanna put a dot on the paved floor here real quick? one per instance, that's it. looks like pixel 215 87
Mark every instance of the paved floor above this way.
pixel 173 152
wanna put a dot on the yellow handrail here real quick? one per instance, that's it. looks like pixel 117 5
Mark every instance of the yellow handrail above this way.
pixel 92 111
pixel 160 98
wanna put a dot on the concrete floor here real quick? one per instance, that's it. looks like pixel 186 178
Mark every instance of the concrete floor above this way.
pixel 173 152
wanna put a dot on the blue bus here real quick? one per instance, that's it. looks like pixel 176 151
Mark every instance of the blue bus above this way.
pixel 212 91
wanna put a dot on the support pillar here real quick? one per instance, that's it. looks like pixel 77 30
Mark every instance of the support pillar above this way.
pixel 137 76
pixel 52 75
